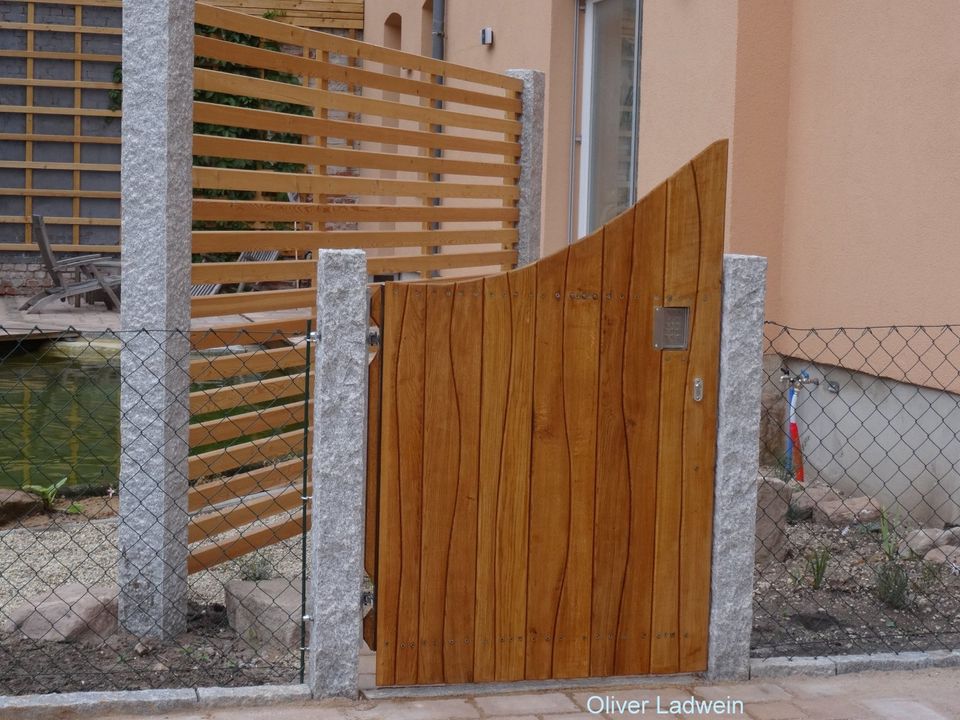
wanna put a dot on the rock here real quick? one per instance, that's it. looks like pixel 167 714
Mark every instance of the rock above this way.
pixel 15 504
pixel 846 511
pixel 265 613
pixel 773 501
pixel 919 542
pixel 946 555
pixel 71 612
pixel 806 498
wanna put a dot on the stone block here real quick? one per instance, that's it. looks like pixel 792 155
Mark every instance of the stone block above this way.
pixel 805 498
pixel 265 613
pixel 773 502
pixel 944 555
pixel 846 511
pixel 72 612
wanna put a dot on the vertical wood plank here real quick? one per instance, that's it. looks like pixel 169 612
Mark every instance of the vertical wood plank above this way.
pixel 611 532
pixel 641 408
pixel 514 495
pixel 549 471
pixel 410 430
pixel 371 509
pixel 389 553
pixel 681 270
pixel 495 379
pixel 466 336
pixel 700 418
pixel 441 450
pixel 581 331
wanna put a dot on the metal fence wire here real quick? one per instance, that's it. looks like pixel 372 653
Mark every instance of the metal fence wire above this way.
pixel 75 501
pixel 858 518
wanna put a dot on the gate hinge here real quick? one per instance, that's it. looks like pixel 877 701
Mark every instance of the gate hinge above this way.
pixel 368 596
pixel 373 336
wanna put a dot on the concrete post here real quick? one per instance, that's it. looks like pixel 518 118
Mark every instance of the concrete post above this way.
pixel 735 492
pixel 155 225
pixel 339 474
pixel 531 165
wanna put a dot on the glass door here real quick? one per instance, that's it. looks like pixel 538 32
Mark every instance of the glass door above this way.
pixel 610 103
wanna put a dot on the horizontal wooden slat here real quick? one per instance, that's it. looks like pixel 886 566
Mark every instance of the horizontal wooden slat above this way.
pixel 56 27
pixel 32 247
pixel 209 556
pixel 214 114
pixel 48 55
pixel 307 67
pixel 88 3
pixel 247 363
pixel 108 222
pixel 248 393
pixel 243 484
pixel 248 423
pixel 211 145
pixel 87 167
pixel 43 110
pixel 247 333
pixel 267 181
pixel 246 86
pixel 253 211
pixel 232 304
pixel 254 452
pixel 208 15
pixel 212 241
pixel 39 137
pixel 238 272
pixel 216 523
pixel 442 261
pixel 82 84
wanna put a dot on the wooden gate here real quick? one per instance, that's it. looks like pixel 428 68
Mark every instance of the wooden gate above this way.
pixel 545 469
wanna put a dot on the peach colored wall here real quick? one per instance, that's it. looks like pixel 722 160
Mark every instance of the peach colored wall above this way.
pixel 873 164
pixel 534 34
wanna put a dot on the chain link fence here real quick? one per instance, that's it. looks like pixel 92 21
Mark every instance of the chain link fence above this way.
pixel 858 518
pixel 75 413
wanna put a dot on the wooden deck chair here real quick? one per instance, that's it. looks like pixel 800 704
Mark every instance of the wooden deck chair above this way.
pixel 75 277
pixel 250 256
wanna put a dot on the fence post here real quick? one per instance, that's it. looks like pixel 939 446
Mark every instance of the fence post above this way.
pixel 155 384
pixel 531 165
pixel 338 474
pixel 738 448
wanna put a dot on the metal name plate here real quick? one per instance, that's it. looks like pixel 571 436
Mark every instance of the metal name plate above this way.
pixel 671 328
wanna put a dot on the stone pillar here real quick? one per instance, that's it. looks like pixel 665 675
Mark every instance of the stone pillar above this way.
pixel 339 474
pixel 531 165
pixel 155 315
pixel 735 492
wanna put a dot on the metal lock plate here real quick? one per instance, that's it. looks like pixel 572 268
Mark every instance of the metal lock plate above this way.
pixel 671 328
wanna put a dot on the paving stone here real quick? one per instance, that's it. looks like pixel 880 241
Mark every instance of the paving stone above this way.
pixel 747 692
pixel 901 709
pixel 775 711
pixel 648 695
pixel 418 710
pixel 830 709
pixel 536 703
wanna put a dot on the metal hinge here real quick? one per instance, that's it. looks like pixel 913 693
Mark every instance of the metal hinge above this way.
pixel 373 336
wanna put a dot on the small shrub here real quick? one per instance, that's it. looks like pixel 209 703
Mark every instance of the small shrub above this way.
pixel 256 568
pixel 46 493
pixel 893 585
pixel 817 563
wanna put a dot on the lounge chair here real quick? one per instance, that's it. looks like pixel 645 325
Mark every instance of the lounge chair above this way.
pixel 250 256
pixel 82 275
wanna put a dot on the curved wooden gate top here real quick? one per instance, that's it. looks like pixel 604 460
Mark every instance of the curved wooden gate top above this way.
pixel 546 454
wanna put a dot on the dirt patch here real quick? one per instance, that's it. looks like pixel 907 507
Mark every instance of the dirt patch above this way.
pixel 210 653
pixel 66 510
pixel 846 614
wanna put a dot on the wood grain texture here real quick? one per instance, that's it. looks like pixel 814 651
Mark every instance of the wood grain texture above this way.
pixel 372 505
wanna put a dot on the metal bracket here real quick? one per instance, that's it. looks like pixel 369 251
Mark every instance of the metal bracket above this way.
pixel 373 336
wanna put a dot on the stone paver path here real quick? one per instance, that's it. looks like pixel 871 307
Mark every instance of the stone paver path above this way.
pixel 915 695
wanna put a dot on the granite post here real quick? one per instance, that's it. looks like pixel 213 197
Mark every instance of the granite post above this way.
pixel 735 491
pixel 531 165
pixel 334 603
pixel 155 316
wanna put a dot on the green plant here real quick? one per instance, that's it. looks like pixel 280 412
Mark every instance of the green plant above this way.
pixel 74 509
pixel 46 493
pixel 256 568
pixel 893 585
pixel 115 96
pixel 817 562
pixel 888 538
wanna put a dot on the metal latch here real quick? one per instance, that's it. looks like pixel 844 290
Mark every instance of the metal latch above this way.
pixel 698 389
